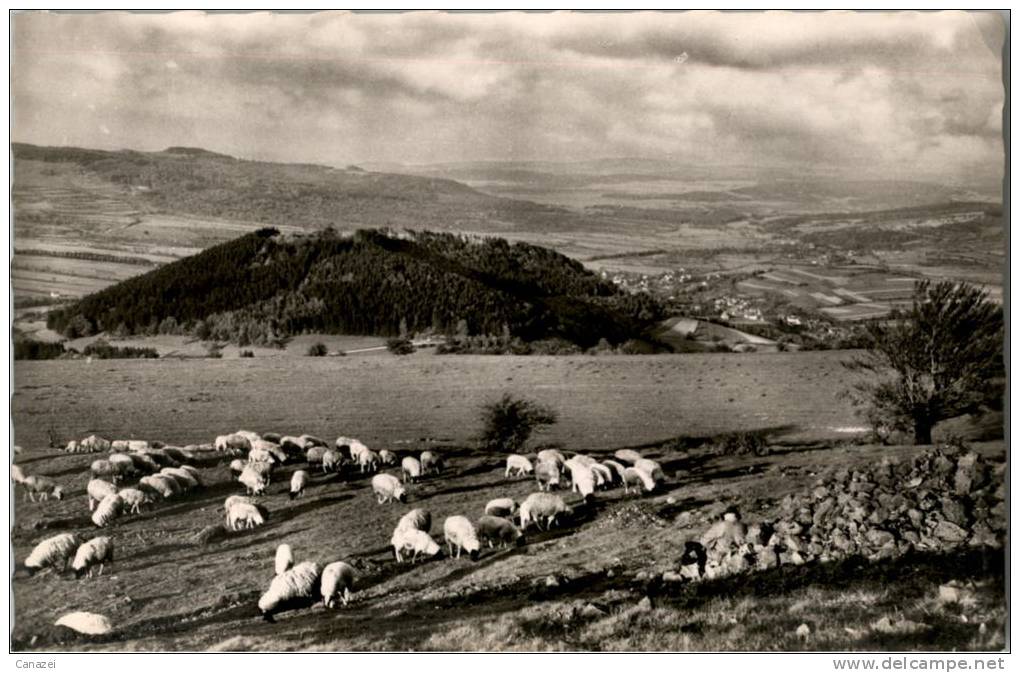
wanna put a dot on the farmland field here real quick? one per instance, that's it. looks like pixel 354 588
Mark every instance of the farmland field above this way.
pixel 163 592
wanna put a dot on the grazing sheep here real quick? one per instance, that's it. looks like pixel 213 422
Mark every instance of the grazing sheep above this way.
pixel 162 458
pixel 193 471
pixel 315 454
pixel 460 535
pixel 183 484
pixel 603 475
pixel 583 459
pixel 387 457
pixel 410 468
pixel 497 531
pixel 294 444
pixel 505 507
pixel 551 456
pixel 98 489
pixel 416 519
pixel 284 559
pixel 94 444
pixel 369 461
pixel 143 463
pixel 387 488
pixel 616 468
pixel 627 456
pixel 431 462
pixel 332 461
pixel 312 440
pixel 337 580
pixel 166 487
pixel 543 507
pixel 300 582
pixel 232 443
pixel 134 499
pixel 254 482
pixel 235 499
pixel 182 475
pixel 413 541
pixel 104 468
pixel 53 552
pixel 273 449
pixel 119 445
pixel 582 478
pixel 88 623
pixel 139 445
pixel 72 447
pixel 247 434
pixel 547 474
pixel 17 476
pixel 260 456
pixel 518 466
pixel 637 477
pixel 652 468
pixel 98 550
pixel 44 486
pixel 298 481
pixel 242 514
pixel 273 437
pixel 108 510
pixel 237 467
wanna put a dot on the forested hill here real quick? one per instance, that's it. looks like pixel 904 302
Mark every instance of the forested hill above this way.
pixel 264 286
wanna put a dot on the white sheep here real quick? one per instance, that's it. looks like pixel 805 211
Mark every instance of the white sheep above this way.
pixel 186 478
pixel 652 468
pixel 43 486
pixel 250 436
pixel 603 475
pixel 234 499
pixel 296 444
pixel 633 476
pixel 518 466
pixel 460 535
pixel 300 582
pixel 332 461
pixel 284 559
pixel 193 471
pixel 108 510
pixel 387 488
pixel 616 469
pixel 504 507
pixel 410 468
pixel 547 474
pixel 104 468
pixel 627 456
pixel 72 447
pixel 53 552
pixel 139 445
pixel 98 489
pixel 431 462
pixel 337 580
pixel 89 623
pixel 232 444
pixel 165 486
pixel 416 519
pixel 387 457
pixel 260 456
pixel 271 448
pixel 369 461
pixel 582 478
pixel 134 499
pixel 312 440
pixel 582 459
pixel 244 515
pixel 143 463
pixel 543 507
pixel 17 476
pixel 315 454
pixel 98 550
pixel 254 482
pixel 122 462
pixel 551 456
pixel 237 467
pixel 413 541
pixel 94 444
pixel 298 481
pixel 495 530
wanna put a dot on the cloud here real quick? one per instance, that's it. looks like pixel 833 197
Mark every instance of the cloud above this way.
pixel 874 90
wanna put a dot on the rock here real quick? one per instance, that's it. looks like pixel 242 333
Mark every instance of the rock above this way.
pixel 957 592
pixel 900 627
pixel 671 576
pixel 644 604
pixel 950 532
pixel 879 538
pixel 768 557
pixel 983 536
pixel 916 517
pixel 803 631
pixel 210 534
pixel 954 511
pixel 592 611
pixel 552 581
pixel 970 474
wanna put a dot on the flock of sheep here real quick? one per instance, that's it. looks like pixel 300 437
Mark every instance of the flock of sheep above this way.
pixel 164 472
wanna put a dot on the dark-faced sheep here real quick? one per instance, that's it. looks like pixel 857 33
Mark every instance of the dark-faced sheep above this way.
pixel 497 531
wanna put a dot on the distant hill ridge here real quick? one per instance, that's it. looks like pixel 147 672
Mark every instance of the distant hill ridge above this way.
pixel 264 286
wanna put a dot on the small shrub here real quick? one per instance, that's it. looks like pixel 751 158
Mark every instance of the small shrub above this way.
pixel 508 422
pixel 743 444
pixel 317 350
pixel 247 354
pixel 101 349
pixel 400 346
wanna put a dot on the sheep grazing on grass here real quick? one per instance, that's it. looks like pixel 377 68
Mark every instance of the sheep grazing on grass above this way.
pixel 297 584
pixel 315 454
pixel 603 475
pixel 332 461
pixel 235 499
pixel 518 466
pixel 629 456
pixel 253 481
pixel 652 468
pixel 413 542
pixel 143 463
pixel 105 469
pixel 53 552
pixel 166 487
pixel 162 457
pixel 139 445
pixel 44 487
pixel 551 456
pixel 273 449
pixel 260 456
pixel 108 510
pixel 237 467
pixel 94 444
pixel 387 488
pixel 337 582
pixel 244 515
pixel 543 508
pixel 17 476
pixel 298 481
pixel 387 457
pixel 124 465
pixel 547 474
pixel 582 478
pixel 431 462
pixel 369 461
pixel 73 447
pixel 272 437
pixel 293 444
pixel 638 478
pixel 233 444
pixel 504 507
pixel 88 623
pixel 460 535
pixel 98 489
pixel 499 532
pixel 249 435
pixel 410 468
pixel 97 551
pixel 312 440
pixel 193 471
pixel 134 499
pixel 416 519
pixel 616 468
pixel 187 479
pixel 284 559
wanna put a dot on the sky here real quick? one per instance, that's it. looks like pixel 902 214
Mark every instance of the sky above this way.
pixel 900 94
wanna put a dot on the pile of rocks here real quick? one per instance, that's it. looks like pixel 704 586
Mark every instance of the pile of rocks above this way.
pixel 941 500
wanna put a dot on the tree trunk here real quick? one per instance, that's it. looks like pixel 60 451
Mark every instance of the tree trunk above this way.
pixel 922 430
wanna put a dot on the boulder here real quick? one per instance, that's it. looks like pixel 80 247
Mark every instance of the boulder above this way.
pixel 949 532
